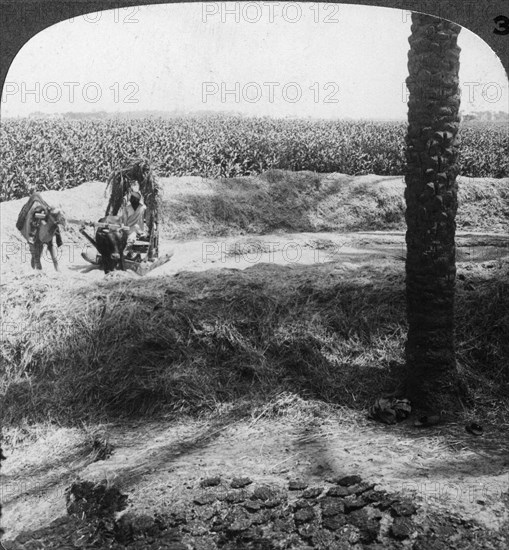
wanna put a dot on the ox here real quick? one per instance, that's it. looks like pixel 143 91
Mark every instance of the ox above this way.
pixel 111 242
pixel 40 223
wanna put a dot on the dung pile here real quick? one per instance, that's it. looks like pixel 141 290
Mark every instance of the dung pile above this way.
pixel 345 513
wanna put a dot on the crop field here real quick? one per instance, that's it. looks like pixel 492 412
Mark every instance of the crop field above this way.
pixel 38 155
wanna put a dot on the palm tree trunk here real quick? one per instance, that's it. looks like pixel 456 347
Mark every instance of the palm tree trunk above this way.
pixel 431 201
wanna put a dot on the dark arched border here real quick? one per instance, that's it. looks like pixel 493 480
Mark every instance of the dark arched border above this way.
pixel 20 20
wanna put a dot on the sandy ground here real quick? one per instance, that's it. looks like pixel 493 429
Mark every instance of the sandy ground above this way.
pixel 160 464
pixel 349 249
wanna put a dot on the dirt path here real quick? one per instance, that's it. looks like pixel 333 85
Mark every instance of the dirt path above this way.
pixel 243 252
pixel 311 248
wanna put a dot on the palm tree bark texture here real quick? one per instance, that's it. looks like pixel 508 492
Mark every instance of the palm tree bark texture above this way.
pixel 431 205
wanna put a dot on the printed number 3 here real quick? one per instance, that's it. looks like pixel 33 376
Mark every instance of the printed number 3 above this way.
pixel 502 22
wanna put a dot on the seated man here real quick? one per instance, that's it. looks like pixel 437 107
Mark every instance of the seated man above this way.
pixel 133 215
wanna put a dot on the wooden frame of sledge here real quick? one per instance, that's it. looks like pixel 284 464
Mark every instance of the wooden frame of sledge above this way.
pixel 120 184
pixel 140 267
pixel 98 224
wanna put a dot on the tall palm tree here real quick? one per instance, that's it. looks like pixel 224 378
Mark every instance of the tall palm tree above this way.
pixel 431 201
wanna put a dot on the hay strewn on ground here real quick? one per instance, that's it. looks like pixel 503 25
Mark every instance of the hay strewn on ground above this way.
pixel 307 201
pixel 186 343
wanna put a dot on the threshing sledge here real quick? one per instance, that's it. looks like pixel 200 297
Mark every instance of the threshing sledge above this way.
pixel 141 254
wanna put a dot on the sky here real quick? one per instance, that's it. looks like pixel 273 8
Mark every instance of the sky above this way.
pixel 280 59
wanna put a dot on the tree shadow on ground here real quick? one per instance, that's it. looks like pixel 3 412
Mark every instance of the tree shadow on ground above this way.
pixel 41 481
pixel 163 458
pixel 125 475
pixel 480 470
